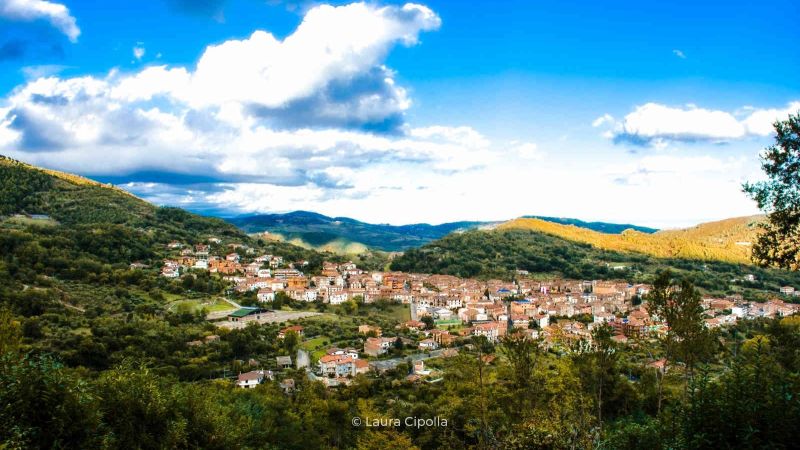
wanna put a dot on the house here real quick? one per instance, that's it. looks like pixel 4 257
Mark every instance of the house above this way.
pixel 442 314
pixel 284 362
pixel 246 314
pixel 249 380
pixel 412 325
pixel 342 366
pixel 787 290
pixel 377 346
pixel 296 328
pixel 490 330
pixel 520 321
pixel 442 337
pixel 361 366
pixel 427 345
pixel 346 351
pixel 265 295
pixel 541 320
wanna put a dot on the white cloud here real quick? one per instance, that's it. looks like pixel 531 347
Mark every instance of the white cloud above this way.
pixel 28 10
pixel 232 117
pixel 679 54
pixel 604 119
pixel 656 124
pixel 332 44
pixel 138 52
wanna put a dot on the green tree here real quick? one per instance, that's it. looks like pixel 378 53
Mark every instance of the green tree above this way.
pixel 10 331
pixel 523 354
pixel 350 306
pixel 779 196
pixel 290 341
pixel 596 362
pixel 678 305
pixel 44 405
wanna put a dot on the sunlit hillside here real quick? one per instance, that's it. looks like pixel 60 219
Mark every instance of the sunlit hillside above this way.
pixel 69 177
pixel 725 240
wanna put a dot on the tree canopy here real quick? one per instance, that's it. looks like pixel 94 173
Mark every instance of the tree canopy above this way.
pixel 779 196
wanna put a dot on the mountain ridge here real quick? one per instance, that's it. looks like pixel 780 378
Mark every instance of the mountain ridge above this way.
pixel 727 240
pixel 318 230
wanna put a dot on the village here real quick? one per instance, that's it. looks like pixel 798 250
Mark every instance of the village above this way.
pixel 444 311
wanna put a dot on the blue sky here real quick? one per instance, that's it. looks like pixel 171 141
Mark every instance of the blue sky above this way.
pixel 400 113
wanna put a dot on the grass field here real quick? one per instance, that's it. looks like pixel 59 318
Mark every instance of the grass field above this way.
pixel 401 313
pixel 316 347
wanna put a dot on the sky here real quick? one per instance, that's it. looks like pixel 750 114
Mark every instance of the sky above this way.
pixel 393 112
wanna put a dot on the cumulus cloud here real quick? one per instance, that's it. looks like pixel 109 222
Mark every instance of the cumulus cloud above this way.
pixel 28 10
pixel 654 124
pixel 307 109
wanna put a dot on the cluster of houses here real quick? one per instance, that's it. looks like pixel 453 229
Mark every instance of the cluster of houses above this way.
pixel 459 307
pixel 199 257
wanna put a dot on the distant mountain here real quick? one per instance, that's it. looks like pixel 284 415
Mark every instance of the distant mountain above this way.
pixel 345 235
pixel 726 240
pixel 342 233
pixel 603 227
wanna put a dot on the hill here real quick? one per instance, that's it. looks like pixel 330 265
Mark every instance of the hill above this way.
pixel 344 234
pixel 501 253
pixel 603 227
pixel 72 229
pixel 74 201
pixel 726 240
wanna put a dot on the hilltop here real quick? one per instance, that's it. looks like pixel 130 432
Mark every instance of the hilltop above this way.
pixel 349 236
pixel 75 201
pixel 726 240
pixel 346 235
pixel 603 227
pixel 507 252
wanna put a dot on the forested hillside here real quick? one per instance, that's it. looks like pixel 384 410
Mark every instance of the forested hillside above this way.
pixel 500 253
pixel 603 227
pixel 727 240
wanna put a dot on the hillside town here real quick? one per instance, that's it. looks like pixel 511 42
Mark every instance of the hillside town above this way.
pixel 445 310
